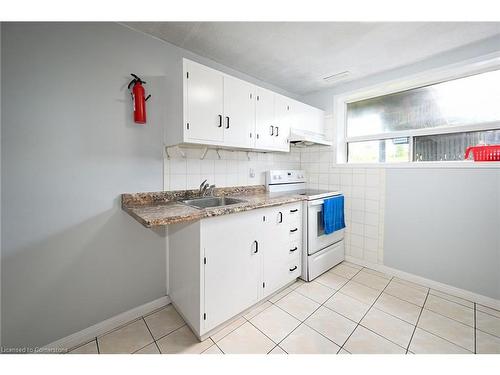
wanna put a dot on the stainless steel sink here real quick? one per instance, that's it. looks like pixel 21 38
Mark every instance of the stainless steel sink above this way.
pixel 211 202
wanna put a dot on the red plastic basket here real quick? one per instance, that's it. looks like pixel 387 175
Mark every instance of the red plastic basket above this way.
pixel 484 153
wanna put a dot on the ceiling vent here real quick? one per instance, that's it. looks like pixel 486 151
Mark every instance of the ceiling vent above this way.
pixel 337 77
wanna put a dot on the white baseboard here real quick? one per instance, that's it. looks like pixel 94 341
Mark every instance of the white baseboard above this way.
pixel 107 325
pixel 445 288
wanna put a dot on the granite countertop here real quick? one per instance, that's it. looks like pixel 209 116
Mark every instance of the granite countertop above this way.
pixel 162 208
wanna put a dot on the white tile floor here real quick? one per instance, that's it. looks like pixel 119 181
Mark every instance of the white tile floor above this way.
pixel 349 309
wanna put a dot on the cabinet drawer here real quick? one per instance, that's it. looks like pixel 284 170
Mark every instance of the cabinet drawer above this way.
pixel 295 233
pixel 294 269
pixel 293 214
pixel 295 249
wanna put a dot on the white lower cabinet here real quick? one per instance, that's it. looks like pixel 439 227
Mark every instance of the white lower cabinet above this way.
pixel 232 265
pixel 221 266
pixel 281 251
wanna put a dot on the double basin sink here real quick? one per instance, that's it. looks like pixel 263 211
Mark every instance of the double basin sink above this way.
pixel 211 202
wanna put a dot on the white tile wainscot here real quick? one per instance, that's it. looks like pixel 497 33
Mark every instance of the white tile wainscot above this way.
pixel 364 190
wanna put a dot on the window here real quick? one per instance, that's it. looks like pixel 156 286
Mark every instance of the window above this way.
pixel 379 151
pixel 446 147
pixel 436 122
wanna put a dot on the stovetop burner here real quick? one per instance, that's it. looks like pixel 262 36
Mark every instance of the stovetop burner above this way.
pixel 279 182
pixel 310 193
pixel 314 192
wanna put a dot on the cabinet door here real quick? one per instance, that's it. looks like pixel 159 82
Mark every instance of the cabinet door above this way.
pixel 307 118
pixel 283 120
pixel 279 250
pixel 203 104
pixel 315 119
pixel 299 113
pixel 264 119
pixel 239 113
pixel 233 269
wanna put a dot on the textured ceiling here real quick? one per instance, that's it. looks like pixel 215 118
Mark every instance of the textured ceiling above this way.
pixel 296 56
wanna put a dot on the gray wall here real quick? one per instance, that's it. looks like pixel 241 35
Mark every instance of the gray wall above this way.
pixel 427 230
pixel 442 224
pixel 70 257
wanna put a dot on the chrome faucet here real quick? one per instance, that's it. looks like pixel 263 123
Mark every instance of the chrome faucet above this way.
pixel 206 189
pixel 210 190
pixel 203 188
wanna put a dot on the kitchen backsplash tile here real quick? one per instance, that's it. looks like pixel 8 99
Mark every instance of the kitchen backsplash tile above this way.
pixel 231 169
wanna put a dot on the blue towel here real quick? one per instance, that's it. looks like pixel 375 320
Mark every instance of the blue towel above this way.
pixel 333 214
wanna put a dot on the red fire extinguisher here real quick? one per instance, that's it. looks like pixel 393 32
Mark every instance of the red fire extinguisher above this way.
pixel 138 99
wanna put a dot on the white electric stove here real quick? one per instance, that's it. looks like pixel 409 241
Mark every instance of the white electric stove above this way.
pixel 320 251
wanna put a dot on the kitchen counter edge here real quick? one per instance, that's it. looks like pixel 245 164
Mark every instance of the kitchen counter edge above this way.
pixel 162 208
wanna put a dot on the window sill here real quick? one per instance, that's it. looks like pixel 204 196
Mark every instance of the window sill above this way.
pixel 426 165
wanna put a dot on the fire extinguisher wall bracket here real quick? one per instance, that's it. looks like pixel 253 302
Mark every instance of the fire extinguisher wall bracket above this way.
pixel 138 98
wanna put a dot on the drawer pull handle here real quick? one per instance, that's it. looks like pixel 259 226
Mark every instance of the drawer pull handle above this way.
pixel 220 121
pixel 293 269
pixel 294 249
pixel 281 217
pixel 293 211
pixel 256 247
pixel 293 230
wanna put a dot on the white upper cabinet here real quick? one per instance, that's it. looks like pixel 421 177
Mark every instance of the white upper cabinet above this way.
pixel 239 113
pixel 264 119
pixel 204 104
pixel 282 122
pixel 314 120
pixel 306 117
pixel 220 110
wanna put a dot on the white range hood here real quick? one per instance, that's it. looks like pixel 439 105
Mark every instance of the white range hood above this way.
pixel 308 138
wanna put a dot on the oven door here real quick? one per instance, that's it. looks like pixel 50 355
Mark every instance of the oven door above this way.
pixel 316 237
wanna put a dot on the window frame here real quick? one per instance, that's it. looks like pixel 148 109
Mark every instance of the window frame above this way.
pixel 481 64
